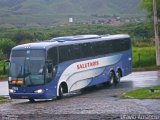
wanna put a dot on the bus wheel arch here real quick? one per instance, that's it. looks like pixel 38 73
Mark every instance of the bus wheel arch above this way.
pixel 120 72
pixel 63 88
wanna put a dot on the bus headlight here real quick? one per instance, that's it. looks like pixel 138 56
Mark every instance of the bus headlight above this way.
pixel 39 91
pixel 11 91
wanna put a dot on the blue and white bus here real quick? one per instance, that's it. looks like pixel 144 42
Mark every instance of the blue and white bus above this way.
pixel 48 69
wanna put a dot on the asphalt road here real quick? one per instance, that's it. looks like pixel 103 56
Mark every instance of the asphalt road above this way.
pixel 93 103
pixel 3 88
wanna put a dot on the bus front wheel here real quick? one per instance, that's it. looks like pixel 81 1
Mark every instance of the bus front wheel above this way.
pixel 31 100
pixel 111 78
pixel 61 92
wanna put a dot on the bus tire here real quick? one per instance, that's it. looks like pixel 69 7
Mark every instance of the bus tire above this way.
pixel 31 100
pixel 118 77
pixel 61 92
pixel 111 78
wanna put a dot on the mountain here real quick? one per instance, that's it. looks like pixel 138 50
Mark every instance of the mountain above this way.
pixel 51 12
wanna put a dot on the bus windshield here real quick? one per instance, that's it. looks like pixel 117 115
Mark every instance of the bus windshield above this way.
pixel 28 65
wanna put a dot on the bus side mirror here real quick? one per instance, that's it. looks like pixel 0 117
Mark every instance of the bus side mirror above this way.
pixel 4 66
pixel 50 68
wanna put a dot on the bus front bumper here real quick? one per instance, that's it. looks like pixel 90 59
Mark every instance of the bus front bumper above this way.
pixel 33 92
pixel 28 96
pixel 42 95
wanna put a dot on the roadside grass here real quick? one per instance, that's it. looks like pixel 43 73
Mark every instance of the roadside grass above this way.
pixel 144 57
pixel 138 69
pixel 144 93
pixel 3 99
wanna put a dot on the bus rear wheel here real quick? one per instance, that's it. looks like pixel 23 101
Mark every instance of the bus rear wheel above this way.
pixel 118 77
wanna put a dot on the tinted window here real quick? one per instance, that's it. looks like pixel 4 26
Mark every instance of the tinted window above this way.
pixel 111 46
pixel 117 46
pixel 52 55
pixel 71 52
pixel 64 53
pixel 121 45
pixel 99 48
pixel 127 44
pixel 16 53
pixel 103 47
pixel 76 51
pixel 87 49
pixel 28 53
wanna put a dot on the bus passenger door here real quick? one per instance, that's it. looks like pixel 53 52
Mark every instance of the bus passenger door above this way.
pixel 51 63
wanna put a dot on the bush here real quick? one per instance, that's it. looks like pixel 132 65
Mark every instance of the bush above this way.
pixel 2 75
pixel 6 46
pixel 2 55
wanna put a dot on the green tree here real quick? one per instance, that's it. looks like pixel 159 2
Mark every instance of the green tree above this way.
pixel 144 30
pixel 23 37
pixel 2 55
pixel 148 5
pixel 6 46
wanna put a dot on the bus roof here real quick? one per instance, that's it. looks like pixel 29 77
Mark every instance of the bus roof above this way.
pixel 68 40
pixel 75 38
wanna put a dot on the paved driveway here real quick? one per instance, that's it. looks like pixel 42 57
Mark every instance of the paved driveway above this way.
pixel 94 103
pixel 4 88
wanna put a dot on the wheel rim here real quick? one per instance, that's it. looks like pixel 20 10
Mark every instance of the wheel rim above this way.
pixel 111 79
pixel 31 100
pixel 118 77
pixel 60 91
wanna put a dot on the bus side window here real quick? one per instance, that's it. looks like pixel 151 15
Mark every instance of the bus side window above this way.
pixel 87 50
pixel 101 48
pixel 106 47
pixel 53 55
pixel 76 51
pixel 127 43
pixel 117 46
pixel 121 45
pixel 51 68
pixel 64 53
pixel 96 47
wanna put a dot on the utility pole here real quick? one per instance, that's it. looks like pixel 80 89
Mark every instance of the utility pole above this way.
pixel 157 39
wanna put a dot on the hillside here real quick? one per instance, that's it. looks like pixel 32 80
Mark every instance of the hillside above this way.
pixel 51 12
